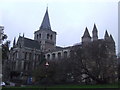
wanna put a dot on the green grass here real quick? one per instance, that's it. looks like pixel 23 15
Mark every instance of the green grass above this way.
pixel 84 86
pixel 72 86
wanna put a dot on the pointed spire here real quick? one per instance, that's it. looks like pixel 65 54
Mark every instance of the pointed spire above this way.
pixel 86 33
pixel 106 37
pixel 111 38
pixel 95 33
pixel 86 37
pixel 46 22
pixel 94 28
pixel 47 7
pixel 23 34
pixel 106 34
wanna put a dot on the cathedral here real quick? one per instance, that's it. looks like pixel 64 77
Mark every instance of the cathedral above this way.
pixel 26 54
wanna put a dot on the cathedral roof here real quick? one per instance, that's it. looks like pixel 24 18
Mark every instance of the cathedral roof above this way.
pixel 33 44
pixel 86 33
pixel 46 22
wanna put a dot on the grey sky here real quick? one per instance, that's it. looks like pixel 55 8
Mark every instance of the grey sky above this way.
pixel 68 19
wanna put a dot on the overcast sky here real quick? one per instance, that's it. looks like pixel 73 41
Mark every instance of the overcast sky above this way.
pixel 67 17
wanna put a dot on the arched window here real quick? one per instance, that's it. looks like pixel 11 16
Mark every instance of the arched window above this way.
pixel 53 56
pixel 25 55
pixel 59 55
pixel 51 37
pixel 65 54
pixel 39 35
pixel 25 64
pixel 48 56
pixel 47 36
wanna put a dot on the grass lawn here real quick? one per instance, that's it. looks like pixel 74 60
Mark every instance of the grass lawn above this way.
pixel 84 86
pixel 62 87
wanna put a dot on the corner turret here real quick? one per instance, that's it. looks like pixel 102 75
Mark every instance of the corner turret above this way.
pixel 106 37
pixel 94 33
pixel 86 37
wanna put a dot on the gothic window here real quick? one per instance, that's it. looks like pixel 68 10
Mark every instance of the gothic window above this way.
pixel 47 36
pixel 59 55
pixel 25 55
pixel 53 56
pixel 48 56
pixel 65 54
pixel 39 35
pixel 51 37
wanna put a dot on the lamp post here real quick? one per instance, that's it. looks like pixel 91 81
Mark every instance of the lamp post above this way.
pixel 46 67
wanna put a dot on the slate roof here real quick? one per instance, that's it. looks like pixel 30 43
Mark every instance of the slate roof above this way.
pixel 33 44
pixel 57 48
pixel 86 33
pixel 46 22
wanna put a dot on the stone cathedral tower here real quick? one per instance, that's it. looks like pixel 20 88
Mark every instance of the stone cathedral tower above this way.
pixel 45 35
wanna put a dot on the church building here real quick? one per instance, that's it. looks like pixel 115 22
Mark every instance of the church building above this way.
pixel 26 54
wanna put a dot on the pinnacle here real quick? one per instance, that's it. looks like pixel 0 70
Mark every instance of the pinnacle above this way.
pixel 86 33
pixel 94 28
pixel 106 34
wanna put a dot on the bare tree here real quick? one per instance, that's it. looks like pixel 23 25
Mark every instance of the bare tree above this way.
pixel 96 61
